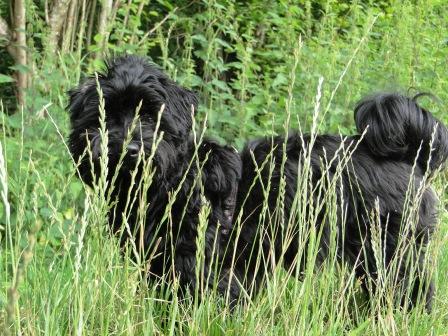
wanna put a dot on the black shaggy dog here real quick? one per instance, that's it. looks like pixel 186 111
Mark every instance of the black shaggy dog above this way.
pixel 167 238
pixel 374 186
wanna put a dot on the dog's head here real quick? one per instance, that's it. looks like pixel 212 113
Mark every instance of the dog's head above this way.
pixel 221 175
pixel 128 82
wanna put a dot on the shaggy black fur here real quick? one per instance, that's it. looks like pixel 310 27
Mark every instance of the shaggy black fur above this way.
pixel 169 240
pixel 378 175
pixel 376 179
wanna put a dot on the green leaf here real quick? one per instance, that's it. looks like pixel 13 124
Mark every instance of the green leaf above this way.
pixel 279 80
pixel 20 68
pixel 220 84
pixel 98 38
pixel 6 79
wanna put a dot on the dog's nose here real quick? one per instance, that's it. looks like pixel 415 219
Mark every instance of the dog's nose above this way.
pixel 133 150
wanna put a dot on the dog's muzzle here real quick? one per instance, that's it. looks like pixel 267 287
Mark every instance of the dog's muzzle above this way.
pixel 133 150
pixel 229 210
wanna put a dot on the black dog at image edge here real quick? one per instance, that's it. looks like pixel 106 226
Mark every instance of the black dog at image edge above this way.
pixel 376 178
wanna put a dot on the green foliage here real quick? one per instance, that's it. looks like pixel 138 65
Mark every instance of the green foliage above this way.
pixel 239 56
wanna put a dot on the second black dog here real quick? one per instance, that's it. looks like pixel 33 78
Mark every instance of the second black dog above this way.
pixel 374 189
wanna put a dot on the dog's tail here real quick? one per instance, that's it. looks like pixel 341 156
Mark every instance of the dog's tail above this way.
pixel 398 128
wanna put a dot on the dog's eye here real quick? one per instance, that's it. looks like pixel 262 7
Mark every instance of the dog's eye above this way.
pixel 146 114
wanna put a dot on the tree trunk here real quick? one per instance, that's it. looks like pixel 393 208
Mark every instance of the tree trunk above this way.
pixel 58 15
pixel 6 37
pixel 70 23
pixel 76 24
pixel 20 49
pixel 91 10
pixel 115 8
pixel 82 27
pixel 103 33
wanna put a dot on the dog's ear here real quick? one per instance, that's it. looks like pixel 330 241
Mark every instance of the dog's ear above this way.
pixel 190 100
pixel 77 98
pixel 181 104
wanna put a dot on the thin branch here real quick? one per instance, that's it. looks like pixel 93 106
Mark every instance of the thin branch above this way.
pixel 151 31
pixel 20 49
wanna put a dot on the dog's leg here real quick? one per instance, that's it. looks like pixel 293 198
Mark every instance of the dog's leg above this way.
pixel 422 287
pixel 396 262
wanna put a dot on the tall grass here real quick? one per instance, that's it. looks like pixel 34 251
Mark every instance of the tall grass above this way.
pixel 61 272
pixel 89 286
